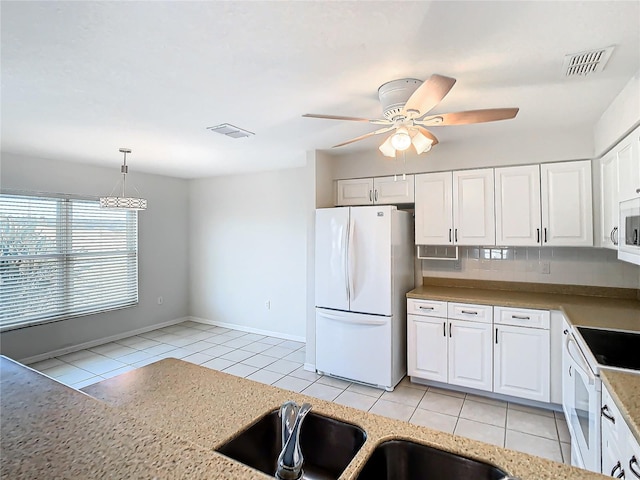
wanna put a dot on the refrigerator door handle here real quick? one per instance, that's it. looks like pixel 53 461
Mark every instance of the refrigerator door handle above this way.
pixel 345 254
pixel 359 321
pixel 350 259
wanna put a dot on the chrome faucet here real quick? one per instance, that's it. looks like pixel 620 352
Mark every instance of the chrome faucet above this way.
pixel 290 459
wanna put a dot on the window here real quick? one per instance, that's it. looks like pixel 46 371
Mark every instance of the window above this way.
pixel 64 257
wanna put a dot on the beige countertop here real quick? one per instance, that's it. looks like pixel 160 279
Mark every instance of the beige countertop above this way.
pixel 51 431
pixel 208 407
pixel 580 310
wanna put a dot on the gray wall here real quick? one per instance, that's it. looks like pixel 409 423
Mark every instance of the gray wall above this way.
pixel 248 246
pixel 163 251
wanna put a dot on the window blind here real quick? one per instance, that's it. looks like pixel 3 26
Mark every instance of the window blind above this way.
pixel 64 257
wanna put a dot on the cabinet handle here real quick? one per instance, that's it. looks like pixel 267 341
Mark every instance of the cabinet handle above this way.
pixel 444 329
pixel 537 235
pixel 565 331
pixel 371 195
pixel 496 336
pixel 520 317
pixel 569 370
pixel 637 190
pixel 449 330
pixel 468 312
pixel 606 413
pixel 456 235
pixel 375 195
pixel 617 467
pixel 545 234
pixel 615 236
pixel 634 470
pixel 422 307
pixel 449 235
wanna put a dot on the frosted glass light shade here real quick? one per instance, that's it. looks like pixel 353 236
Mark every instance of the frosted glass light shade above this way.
pixel 401 139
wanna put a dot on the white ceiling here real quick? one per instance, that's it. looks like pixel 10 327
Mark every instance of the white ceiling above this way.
pixel 81 79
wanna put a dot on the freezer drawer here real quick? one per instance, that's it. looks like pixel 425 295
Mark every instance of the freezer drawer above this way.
pixel 354 346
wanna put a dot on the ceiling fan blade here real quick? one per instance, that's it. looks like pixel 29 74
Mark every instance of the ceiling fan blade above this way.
pixel 377 121
pixel 366 135
pixel 428 134
pixel 429 94
pixel 471 116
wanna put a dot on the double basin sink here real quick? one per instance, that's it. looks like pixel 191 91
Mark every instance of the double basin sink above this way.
pixel 328 446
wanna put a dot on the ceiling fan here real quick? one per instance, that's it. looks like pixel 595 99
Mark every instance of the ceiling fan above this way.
pixel 406 103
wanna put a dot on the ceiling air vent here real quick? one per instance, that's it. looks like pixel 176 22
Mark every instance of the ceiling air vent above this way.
pixel 585 63
pixel 230 131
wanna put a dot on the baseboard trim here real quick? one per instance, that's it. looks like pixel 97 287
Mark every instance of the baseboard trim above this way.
pixel 244 328
pixel 100 341
pixel 310 367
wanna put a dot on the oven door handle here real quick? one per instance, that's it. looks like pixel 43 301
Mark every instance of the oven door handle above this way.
pixel 581 362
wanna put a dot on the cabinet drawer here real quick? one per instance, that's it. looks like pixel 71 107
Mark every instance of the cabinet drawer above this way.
pixel 611 419
pixel 431 308
pixel 522 317
pixel 468 311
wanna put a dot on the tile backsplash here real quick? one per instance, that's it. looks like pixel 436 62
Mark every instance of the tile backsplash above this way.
pixel 575 266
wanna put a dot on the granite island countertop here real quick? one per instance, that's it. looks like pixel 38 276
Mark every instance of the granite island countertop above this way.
pixel 579 310
pixel 208 408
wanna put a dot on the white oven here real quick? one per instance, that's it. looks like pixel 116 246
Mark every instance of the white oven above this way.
pixel 629 234
pixel 581 400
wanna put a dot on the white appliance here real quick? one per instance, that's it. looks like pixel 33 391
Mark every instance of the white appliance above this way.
pixel 629 234
pixel 581 401
pixel 364 268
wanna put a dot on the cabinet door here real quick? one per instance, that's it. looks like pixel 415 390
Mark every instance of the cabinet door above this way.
pixel 567 218
pixel 629 167
pixel 433 212
pixel 357 191
pixel 609 211
pixel 470 354
pixel 517 197
pixel 427 347
pixel 473 207
pixel 393 190
pixel 521 362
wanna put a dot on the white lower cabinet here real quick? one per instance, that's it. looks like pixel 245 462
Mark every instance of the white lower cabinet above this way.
pixel 448 350
pixel 522 353
pixel 470 354
pixel 427 347
pixel 620 450
pixel 496 349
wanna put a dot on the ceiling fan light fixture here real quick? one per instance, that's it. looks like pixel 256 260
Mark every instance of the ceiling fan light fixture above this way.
pixel 401 140
pixel 387 149
pixel 421 143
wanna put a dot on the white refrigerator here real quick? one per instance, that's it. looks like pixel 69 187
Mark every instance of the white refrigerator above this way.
pixel 364 268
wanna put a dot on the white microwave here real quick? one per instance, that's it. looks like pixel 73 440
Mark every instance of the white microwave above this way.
pixel 629 233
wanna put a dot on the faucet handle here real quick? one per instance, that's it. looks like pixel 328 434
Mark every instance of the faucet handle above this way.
pixel 288 414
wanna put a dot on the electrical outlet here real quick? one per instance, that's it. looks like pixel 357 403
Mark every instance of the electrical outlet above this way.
pixel 545 267
pixel 267 304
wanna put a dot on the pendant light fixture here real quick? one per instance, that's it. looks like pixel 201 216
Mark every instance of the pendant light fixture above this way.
pixel 123 202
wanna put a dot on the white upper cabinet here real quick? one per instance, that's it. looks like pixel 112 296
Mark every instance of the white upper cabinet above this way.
pixel 391 190
pixel 455 208
pixel 434 209
pixel 629 166
pixel 567 216
pixel 473 207
pixel 609 210
pixel 356 191
pixel 517 198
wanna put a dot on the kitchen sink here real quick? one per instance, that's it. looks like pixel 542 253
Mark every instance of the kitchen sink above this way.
pixel 613 348
pixel 328 445
pixel 403 459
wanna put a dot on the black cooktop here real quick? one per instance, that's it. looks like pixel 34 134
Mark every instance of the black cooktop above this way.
pixel 613 348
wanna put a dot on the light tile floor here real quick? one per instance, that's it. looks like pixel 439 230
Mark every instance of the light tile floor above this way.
pixel 279 362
